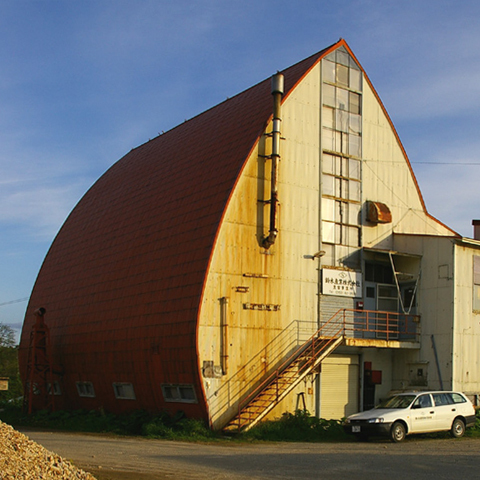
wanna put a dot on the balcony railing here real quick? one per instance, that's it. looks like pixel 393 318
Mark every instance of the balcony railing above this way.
pixel 375 324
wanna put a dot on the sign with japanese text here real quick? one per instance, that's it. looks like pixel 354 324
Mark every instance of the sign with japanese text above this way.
pixel 341 282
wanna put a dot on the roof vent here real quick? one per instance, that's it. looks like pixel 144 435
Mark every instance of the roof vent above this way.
pixel 378 213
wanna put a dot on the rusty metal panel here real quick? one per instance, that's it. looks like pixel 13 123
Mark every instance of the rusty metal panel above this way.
pixel 267 289
pixel 123 280
pixel 378 212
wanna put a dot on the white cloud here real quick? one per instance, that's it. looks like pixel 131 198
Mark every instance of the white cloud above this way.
pixel 40 209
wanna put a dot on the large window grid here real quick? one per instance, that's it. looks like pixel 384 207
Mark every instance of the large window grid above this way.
pixel 341 189
pixel 342 104
pixel 342 151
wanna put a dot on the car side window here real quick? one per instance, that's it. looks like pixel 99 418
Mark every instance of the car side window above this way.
pixel 457 398
pixel 423 401
pixel 442 399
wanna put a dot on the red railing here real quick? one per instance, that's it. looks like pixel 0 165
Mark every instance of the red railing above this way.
pixel 379 325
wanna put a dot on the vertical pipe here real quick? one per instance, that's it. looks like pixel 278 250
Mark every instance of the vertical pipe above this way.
pixel 437 362
pixel 277 92
pixel 224 335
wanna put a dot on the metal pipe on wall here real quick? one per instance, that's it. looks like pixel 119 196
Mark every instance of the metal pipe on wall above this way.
pixel 277 92
pixel 224 334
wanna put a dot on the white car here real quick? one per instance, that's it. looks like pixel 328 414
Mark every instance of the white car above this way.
pixel 414 412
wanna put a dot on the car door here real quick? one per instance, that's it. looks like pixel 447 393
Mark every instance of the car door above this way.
pixel 445 410
pixel 422 414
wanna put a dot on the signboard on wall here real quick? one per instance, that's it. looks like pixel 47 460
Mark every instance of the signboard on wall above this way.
pixel 342 283
pixel 4 383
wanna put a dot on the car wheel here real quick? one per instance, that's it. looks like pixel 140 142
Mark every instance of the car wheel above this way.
pixel 458 428
pixel 398 432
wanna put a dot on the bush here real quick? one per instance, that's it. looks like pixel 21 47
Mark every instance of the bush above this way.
pixel 139 422
pixel 297 427
pixel 177 427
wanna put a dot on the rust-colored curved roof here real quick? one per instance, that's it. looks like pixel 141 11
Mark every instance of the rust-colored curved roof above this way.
pixel 123 279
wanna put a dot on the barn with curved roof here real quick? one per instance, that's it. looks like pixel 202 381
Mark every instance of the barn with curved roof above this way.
pixel 206 269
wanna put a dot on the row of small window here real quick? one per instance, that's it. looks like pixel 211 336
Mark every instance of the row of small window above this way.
pixel 341 142
pixel 341 254
pixel 340 211
pixel 341 121
pixel 341 188
pixel 340 68
pixel 439 399
pixel 125 391
pixel 339 234
pixel 341 166
pixel 341 100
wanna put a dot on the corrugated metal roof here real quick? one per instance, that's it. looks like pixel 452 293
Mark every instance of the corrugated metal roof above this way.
pixel 123 279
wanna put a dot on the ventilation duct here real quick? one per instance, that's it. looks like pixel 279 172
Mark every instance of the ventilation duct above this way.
pixel 378 213
pixel 277 92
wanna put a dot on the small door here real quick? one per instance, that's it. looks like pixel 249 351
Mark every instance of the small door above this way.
pixel 423 417
pixel 339 388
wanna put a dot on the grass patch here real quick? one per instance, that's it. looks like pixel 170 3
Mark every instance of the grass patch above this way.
pixel 297 427
pixel 139 422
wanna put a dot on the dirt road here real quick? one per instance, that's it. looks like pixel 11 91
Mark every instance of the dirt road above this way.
pixel 120 458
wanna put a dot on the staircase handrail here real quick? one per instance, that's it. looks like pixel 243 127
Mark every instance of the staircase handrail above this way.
pixel 276 373
pixel 288 338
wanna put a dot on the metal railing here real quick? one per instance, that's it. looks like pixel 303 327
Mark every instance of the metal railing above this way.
pixel 294 341
pixel 253 372
pixel 380 325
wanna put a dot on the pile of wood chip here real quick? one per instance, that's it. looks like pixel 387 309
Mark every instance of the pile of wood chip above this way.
pixel 21 458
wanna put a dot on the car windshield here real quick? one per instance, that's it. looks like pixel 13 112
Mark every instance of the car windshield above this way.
pixel 397 401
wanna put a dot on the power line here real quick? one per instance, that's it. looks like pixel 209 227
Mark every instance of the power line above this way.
pixel 19 300
pixel 447 163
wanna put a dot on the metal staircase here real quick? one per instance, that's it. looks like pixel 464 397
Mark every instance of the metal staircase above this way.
pixel 373 328
pixel 286 377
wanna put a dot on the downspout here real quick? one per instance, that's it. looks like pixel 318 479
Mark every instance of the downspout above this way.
pixel 277 92
pixel 437 362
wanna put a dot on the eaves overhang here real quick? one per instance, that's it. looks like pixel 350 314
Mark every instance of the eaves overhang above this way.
pixel 391 252
pixel 469 242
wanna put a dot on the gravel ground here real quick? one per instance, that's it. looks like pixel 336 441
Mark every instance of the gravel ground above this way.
pixel 23 459
pixel 110 457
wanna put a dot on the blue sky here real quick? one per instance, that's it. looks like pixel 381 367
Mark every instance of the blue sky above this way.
pixel 82 82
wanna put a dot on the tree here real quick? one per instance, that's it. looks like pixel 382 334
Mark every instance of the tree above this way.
pixel 7 336
pixel 9 363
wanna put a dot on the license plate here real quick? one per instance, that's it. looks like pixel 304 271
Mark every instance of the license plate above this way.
pixel 355 428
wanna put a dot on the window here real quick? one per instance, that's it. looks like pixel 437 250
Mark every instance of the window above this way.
pixel 124 391
pixel 36 390
pixel 85 389
pixel 457 398
pixel 179 393
pixel 423 401
pixel 56 388
pixel 387 298
pixel 379 273
pixel 342 150
pixel 476 283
